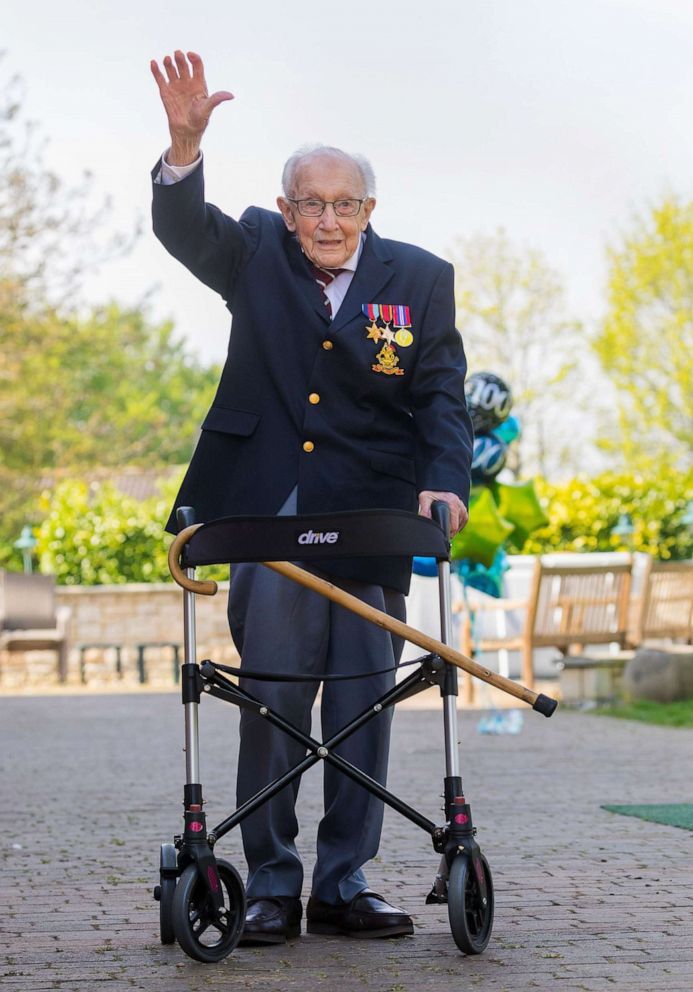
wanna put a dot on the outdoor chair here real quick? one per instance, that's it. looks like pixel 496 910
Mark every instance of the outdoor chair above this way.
pixel 29 619
pixel 664 608
pixel 568 607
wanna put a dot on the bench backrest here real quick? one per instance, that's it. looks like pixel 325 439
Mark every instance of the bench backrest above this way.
pixel 666 605
pixel 578 604
pixel 27 602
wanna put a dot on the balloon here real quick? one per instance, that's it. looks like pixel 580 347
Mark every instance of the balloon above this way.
pixel 509 430
pixel 520 504
pixel 489 401
pixel 488 458
pixel 424 566
pixel 485 532
pixel 478 576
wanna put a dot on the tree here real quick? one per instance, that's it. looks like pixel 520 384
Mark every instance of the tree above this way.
pixel 50 233
pixel 512 318
pixel 80 387
pixel 107 389
pixel 110 388
pixel 645 343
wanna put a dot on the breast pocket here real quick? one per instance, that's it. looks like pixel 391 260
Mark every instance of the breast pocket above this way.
pixel 398 466
pixel 239 422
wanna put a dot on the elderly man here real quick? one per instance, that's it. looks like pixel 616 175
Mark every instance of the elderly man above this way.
pixel 343 389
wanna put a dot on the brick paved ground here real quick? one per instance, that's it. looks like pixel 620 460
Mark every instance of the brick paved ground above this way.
pixel 586 900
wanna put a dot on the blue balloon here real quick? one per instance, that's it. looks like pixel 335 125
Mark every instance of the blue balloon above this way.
pixel 488 458
pixel 425 566
pixel 508 431
pixel 476 576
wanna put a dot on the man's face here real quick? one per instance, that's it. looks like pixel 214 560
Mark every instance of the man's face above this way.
pixel 327 240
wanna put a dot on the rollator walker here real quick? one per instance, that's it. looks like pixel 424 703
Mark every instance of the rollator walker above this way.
pixel 201 897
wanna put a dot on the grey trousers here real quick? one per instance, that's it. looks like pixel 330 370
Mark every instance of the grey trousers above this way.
pixel 278 625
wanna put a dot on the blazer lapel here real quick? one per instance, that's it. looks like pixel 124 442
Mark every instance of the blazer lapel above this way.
pixel 372 275
pixel 309 287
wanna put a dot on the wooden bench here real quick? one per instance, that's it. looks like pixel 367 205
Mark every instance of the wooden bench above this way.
pixel 569 607
pixel 664 608
pixel 29 619
pixel 176 649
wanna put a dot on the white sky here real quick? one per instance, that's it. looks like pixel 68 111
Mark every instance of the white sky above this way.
pixel 551 118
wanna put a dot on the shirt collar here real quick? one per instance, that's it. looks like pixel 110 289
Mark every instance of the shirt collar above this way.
pixel 353 260
pixel 351 263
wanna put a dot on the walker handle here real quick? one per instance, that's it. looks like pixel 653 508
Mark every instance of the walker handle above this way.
pixel 185 517
pixel 440 513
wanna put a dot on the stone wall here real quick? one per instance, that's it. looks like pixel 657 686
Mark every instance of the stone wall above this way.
pixel 136 619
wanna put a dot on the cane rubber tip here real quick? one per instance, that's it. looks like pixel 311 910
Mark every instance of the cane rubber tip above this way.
pixel 545 704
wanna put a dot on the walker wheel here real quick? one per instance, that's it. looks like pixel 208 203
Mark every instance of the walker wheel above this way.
pixel 201 932
pixel 164 893
pixel 470 920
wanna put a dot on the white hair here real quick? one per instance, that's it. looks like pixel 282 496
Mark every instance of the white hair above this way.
pixel 298 158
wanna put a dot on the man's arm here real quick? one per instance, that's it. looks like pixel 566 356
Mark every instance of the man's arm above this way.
pixel 213 246
pixel 443 427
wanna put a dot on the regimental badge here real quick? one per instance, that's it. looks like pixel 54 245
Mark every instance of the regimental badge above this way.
pixel 383 317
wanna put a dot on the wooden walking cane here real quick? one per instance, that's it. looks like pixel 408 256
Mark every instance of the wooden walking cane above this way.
pixel 538 701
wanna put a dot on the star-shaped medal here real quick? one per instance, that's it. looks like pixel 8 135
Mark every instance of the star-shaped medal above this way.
pixel 388 334
pixel 373 333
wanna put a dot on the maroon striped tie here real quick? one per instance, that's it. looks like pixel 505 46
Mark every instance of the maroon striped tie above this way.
pixel 324 277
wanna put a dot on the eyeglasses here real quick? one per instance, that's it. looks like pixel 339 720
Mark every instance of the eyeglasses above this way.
pixel 315 208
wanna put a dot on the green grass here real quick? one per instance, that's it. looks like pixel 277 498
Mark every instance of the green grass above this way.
pixel 678 714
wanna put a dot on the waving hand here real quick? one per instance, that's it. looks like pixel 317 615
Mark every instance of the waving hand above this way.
pixel 187 103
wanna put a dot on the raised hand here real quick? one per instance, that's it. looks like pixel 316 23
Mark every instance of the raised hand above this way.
pixel 187 103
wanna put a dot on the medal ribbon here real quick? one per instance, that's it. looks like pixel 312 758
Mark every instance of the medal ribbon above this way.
pixel 388 312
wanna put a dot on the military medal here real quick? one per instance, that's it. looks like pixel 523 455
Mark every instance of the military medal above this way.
pixel 388 360
pixel 390 315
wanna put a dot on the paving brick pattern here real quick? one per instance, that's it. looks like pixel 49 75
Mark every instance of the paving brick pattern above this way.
pixel 585 899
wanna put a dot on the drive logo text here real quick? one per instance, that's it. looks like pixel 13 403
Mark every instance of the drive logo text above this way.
pixel 318 537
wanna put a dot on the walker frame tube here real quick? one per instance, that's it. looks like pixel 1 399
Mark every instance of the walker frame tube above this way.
pixel 449 689
pixel 192 733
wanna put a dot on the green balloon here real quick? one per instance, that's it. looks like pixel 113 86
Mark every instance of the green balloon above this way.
pixel 486 531
pixel 519 503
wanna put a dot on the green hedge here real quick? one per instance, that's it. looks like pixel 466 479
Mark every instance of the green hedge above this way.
pixel 584 512
pixel 93 535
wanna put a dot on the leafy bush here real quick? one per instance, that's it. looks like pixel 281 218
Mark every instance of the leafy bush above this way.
pixel 584 512
pixel 92 534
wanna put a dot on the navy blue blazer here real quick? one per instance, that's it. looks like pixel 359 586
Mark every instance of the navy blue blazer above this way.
pixel 299 402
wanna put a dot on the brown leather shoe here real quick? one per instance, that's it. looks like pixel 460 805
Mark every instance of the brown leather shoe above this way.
pixel 366 916
pixel 271 920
